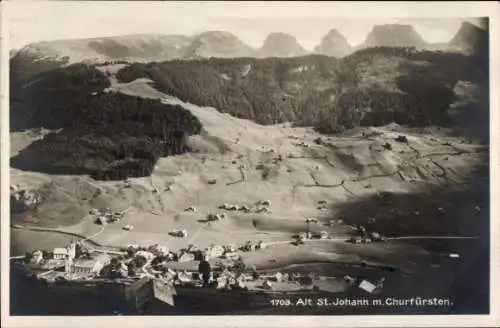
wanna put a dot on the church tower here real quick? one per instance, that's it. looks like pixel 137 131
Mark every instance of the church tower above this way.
pixel 72 250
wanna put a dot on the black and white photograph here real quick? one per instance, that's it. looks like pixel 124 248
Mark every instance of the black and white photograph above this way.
pixel 248 158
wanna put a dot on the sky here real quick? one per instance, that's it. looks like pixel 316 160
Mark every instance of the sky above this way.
pixel 30 21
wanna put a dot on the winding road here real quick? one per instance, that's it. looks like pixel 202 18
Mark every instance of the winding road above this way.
pixel 94 246
pixel 87 241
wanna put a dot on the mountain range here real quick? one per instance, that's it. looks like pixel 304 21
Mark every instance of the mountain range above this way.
pixel 223 44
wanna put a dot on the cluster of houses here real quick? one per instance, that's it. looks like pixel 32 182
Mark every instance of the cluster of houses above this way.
pixel 155 189
pixel 106 216
pixel 193 253
pixel 181 233
pixel 237 279
pixel 23 199
pixel 303 236
pixel 76 265
pixel 304 279
pixel 85 267
pixel 251 246
pixel 226 279
pixel 302 144
pixel 309 280
pixel 215 217
pixel 150 252
pixel 188 254
pixel 261 206
pixel 365 237
pixel 335 222
pixel 322 205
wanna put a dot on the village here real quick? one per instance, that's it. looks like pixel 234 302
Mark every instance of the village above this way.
pixel 81 261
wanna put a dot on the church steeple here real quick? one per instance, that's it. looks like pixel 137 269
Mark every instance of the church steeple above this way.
pixel 72 250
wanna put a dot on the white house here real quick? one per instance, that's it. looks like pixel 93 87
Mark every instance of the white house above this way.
pixel 367 286
pixel 60 253
pixel 216 251
pixel 147 255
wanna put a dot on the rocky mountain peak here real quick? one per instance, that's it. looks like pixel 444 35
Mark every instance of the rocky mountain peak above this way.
pixel 470 39
pixel 281 45
pixel 216 44
pixel 394 35
pixel 333 44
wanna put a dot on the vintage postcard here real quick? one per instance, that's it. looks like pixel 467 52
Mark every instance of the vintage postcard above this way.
pixel 234 164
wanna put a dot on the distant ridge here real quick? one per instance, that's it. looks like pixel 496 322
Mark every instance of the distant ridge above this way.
pixel 127 47
pixel 46 55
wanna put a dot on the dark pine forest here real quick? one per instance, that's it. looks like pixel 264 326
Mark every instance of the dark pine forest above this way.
pixel 103 134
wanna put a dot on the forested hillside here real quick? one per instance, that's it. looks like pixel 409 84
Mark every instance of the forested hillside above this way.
pixel 373 86
pixel 53 98
pixel 263 90
pixel 105 135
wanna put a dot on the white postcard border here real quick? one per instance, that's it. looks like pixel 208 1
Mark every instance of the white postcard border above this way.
pixel 304 9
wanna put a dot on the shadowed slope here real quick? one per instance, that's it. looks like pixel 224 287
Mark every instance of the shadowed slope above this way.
pixel 105 135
